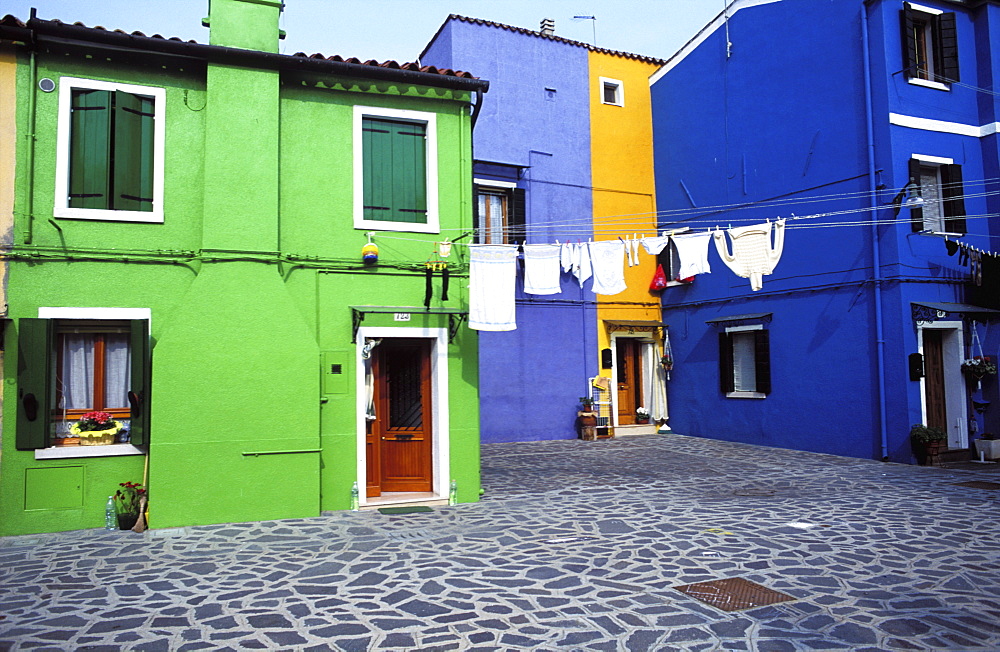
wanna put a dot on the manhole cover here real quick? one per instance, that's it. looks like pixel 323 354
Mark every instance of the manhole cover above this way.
pixel 733 594
pixel 979 484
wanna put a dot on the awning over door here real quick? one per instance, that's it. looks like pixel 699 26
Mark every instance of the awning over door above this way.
pixel 931 310
pixel 632 326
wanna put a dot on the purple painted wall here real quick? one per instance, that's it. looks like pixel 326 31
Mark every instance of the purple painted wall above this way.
pixel 536 115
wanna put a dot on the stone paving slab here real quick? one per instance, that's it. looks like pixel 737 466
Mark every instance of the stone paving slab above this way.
pixel 575 546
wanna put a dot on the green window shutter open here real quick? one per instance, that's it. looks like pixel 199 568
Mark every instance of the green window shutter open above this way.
pixel 133 152
pixel 953 202
pixel 395 171
pixel 90 149
pixel 947 38
pixel 138 396
pixel 34 383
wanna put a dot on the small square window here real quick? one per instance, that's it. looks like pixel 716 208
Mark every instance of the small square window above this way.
pixel 612 92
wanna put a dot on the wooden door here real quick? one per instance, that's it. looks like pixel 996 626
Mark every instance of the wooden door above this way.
pixel 934 392
pixel 399 447
pixel 629 369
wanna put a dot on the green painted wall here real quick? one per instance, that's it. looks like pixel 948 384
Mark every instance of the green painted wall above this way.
pixel 249 281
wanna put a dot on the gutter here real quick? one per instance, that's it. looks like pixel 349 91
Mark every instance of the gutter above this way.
pixel 876 255
pixel 41 32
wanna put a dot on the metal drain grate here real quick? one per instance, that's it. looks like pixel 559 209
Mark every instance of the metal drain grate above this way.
pixel 412 534
pixel 979 484
pixel 733 594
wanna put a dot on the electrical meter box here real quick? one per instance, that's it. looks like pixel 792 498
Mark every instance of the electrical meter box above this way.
pixel 334 369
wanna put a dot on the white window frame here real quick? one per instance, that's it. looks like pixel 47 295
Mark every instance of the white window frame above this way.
pixel 104 314
pixel 936 162
pixel 61 207
pixel 429 120
pixel 505 187
pixel 743 393
pixel 619 91
pixel 917 81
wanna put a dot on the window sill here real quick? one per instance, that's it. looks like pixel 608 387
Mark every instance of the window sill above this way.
pixel 745 395
pixel 105 215
pixel 69 452
pixel 403 227
pixel 927 83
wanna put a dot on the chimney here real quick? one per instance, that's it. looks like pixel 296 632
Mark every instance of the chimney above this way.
pixel 548 27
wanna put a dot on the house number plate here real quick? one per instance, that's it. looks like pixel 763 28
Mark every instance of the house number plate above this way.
pixel 401 316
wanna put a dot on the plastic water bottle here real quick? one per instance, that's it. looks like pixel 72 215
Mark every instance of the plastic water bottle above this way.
pixel 355 497
pixel 110 520
pixel 453 493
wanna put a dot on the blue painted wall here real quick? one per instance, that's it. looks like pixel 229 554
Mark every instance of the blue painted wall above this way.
pixel 779 128
pixel 535 115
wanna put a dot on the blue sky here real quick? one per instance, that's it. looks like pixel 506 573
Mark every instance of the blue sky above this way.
pixel 399 29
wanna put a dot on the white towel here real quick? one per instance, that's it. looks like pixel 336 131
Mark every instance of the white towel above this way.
pixel 692 250
pixel 541 269
pixel 566 254
pixel 655 245
pixel 609 272
pixel 581 263
pixel 753 256
pixel 492 275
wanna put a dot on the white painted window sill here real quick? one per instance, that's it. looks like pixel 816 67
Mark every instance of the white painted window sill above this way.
pixel 745 395
pixel 927 83
pixel 70 452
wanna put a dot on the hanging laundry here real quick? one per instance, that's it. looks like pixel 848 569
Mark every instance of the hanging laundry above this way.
pixel 582 267
pixel 634 250
pixel 692 250
pixel 566 256
pixel 541 269
pixel 492 274
pixel 609 270
pixel 753 256
pixel 656 244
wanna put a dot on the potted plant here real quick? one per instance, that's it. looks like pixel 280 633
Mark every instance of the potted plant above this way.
pixel 96 429
pixel 129 502
pixel 641 415
pixel 927 441
pixel 586 419
pixel 979 366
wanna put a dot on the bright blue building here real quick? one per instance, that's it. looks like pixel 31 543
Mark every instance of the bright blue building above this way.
pixel 871 129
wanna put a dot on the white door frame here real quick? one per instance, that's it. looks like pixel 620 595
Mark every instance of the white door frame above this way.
pixel 644 338
pixel 440 426
pixel 956 405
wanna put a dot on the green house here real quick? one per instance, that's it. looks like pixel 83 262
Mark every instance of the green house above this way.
pixel 188 221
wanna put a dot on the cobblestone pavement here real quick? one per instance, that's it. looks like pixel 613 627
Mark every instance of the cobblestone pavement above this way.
pixel 575 546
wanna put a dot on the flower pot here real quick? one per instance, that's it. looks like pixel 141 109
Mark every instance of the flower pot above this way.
pixel 642 419
pixel 127 521
pixel 927 452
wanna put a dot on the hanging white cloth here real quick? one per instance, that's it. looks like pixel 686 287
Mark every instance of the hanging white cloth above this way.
pixel 609 269
pixel 541 269
pixel 753 255
pixel 582 268
pixel 655 245
pixel 692 250
pixel 658 385
pixel 566 256
pixel 633 251
pixel 492 276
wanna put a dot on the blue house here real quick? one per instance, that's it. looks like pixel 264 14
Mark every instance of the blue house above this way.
pixel 864 134
pixel 563 153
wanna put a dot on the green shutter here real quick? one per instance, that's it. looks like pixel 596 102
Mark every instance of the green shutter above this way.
pixel 726 383
pixel 138 396
pixel 952 194
pixel 132 185
pixel 947 39
pixel 90 149
pixel 34 383
pixel 395 171
pixel 762 360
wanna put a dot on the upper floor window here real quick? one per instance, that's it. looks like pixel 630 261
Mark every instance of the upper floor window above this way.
pixel 395 165
pixel 941 188
pixel 109 159
pixel 612 92
pixel 930 45
pixel 499 217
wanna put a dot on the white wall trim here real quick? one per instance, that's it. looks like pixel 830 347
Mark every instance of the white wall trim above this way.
pixel 743 329
pixel 924 9
pixel 430 120
pixel 94 313
pixel 935 160
pixel 917 81
pixel 702 36
pixel 956 406
pixel 492 183
pixel 941 126
pixel 72 452
pixel 61 206
pixel 441 429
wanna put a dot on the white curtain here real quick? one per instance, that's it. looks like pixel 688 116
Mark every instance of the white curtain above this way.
pixel 657 383
pixel 77 372
pixel 117 370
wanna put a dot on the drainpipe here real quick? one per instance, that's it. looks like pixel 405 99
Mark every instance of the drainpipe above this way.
pixel 876 257
pixel 29 194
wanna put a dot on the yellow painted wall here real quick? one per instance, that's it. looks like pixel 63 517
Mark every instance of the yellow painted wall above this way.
pixel 622 171
pixel 8 159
